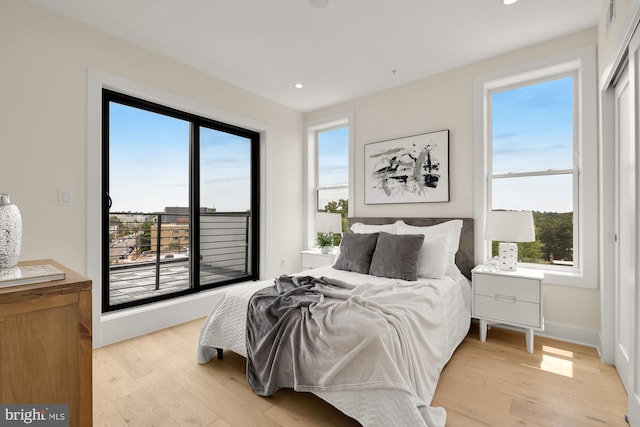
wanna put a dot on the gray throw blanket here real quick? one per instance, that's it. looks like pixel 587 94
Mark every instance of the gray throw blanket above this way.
pixel 315 334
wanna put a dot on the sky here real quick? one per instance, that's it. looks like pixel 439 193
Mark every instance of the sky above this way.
pixel 333 157
pixel 149 164
pixel 532 130
pixel 333 165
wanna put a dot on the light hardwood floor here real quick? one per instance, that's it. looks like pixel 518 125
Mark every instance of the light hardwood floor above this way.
pixel 154 380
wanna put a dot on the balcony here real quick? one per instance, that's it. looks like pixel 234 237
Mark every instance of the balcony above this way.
pixel 150 253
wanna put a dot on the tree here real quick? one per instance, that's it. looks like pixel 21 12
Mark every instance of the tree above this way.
pixel 530 251
pixel 341 207
pixel 145 237
pixel 555 231
pixel 554 239
pixel 527 251
pixel 115 225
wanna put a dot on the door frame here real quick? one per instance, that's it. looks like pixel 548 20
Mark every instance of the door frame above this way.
pixel 606 182
pixel 633 416
pixel 607 211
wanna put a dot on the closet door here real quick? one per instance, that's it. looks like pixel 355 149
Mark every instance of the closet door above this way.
pixel 629 210
pixel 625 228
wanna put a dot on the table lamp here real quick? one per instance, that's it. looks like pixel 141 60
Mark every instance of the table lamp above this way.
pixel 508 227
pixel 328 223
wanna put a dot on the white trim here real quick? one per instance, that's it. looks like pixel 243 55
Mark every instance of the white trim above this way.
pixel 611 69
pixel 128 323
pixel 607 225
pixel 634 358
pixel 607 186
pixel 112 325
pixel 565 333
pixel 572 334
pixel 311 129
pixel 584 62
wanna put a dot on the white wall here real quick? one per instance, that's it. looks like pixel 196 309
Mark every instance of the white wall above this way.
pixel 612 35
pixel 46 60
pixel 445 101
pixel 43 137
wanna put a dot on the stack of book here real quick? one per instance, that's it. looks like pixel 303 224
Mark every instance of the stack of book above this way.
pixel 23 275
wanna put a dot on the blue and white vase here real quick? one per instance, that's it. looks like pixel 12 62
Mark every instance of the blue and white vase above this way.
pixel 10 232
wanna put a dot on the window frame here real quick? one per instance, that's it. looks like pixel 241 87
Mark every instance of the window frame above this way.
pixel 319 187
pixel 197 122
pixel 311 131
pixel 581 64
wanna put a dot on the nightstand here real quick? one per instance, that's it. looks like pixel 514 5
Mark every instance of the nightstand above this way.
pixel 313 258
pixel 509 297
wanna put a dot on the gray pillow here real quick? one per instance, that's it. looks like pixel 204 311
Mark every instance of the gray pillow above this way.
pixel 396 256
pixel 356 250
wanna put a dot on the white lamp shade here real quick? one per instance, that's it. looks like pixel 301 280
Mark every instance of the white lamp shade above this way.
pixel 327 222
pixel 510 226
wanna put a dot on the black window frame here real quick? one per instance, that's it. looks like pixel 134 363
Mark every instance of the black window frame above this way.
pixel 197 122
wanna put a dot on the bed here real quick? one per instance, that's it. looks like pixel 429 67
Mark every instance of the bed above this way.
pixel 405 364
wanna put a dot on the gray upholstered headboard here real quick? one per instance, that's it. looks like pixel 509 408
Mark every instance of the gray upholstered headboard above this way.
pixel 465 258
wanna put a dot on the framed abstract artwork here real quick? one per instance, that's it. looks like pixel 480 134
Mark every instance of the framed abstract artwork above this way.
pixel 413 169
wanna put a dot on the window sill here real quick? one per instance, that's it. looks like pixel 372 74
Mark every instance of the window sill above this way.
pixel 566 276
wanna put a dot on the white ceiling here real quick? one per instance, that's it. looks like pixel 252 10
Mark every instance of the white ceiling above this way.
pixel 348 49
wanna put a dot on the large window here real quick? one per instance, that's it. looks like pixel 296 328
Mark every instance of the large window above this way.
pixel 536 136
pixel 532 164
pixel 329 171
pixel 181 209
pixel 333 170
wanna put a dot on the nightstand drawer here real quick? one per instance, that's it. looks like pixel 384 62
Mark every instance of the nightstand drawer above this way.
pixel 508 297
pixel 314 261
pixel 508 309
pixel 313 258
pixel 522 289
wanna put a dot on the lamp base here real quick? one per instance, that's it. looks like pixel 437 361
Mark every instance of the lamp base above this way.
pixel 508 256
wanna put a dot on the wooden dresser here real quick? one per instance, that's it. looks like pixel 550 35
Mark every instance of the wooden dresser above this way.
pixel 45 344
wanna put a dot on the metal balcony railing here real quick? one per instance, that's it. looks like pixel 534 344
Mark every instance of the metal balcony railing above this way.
pixel 149 253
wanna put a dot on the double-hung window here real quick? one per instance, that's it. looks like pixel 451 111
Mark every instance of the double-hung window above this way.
pixel 332 191
pixel 536 151
pixel 329 170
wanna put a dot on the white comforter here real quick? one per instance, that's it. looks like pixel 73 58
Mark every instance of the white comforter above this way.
pixel 445 325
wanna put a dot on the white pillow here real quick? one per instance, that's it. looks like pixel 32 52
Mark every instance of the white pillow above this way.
pixel 450 230
pixel 433 258
pixel 359 227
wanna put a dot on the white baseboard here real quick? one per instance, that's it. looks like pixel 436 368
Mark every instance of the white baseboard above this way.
pixel 566 333
pixel 137 321
pixel 572 334
pixel 129 323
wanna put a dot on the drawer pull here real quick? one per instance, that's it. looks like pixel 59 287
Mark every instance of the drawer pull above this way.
pixel 505 298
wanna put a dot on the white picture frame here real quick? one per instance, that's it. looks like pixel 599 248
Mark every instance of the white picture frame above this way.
pixel 413 169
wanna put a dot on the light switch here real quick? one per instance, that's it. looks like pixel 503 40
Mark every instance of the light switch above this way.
pixel 65 198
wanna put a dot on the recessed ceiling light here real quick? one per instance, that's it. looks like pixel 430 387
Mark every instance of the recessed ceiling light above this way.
pixel 319 4
pixel 508 2
pixel 298 85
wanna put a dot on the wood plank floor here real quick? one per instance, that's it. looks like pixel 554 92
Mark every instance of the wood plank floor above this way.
pixel 154 380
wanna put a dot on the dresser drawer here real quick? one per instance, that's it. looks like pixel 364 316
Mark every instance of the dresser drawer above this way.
pixel 501 308
pixel 521 289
